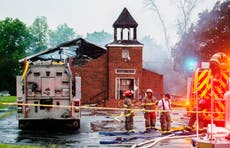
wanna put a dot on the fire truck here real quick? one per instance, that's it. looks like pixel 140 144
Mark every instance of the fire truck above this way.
pixel 208 81
pixel 48 91
pixel 46 96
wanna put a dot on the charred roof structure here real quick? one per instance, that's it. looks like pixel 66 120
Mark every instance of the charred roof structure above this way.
pixel 78 49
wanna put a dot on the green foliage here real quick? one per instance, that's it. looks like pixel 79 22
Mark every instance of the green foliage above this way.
pixel 62 34
pixel 14 41
pixel 19 146
pixel 211 34
pixel 39 31
pixel 10 99
pixel 100 38
pixel 30 146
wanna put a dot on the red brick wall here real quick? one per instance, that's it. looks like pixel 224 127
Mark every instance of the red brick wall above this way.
pixel 93 80
pixel 152 80
pixel 115 61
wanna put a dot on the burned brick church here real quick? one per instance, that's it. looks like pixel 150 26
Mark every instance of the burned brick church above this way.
pixel 119 68
pixel 106 72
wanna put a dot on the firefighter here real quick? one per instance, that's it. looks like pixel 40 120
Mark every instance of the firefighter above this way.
pixel 165 106
pixel 128 94
pixel 217 62
pixel 203 104
pixel 149 105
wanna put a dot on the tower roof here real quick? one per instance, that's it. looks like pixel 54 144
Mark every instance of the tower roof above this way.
pixel 125 20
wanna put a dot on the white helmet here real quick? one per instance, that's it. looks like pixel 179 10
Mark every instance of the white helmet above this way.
pixel 149 90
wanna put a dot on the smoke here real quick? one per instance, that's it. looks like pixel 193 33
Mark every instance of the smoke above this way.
pixel 158 59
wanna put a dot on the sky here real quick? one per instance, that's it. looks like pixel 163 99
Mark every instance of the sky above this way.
pixel 87 16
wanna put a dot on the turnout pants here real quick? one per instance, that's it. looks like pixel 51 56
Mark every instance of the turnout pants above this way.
pixel 165 121
pixel 192 120
pixel 129 123
pixel 128 120
pixel 150 120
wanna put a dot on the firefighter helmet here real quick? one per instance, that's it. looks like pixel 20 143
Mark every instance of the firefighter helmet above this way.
pixel 149 90
pixel 128 93
pixel 217 62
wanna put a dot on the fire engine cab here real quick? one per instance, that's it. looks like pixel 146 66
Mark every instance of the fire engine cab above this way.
pixel 211 81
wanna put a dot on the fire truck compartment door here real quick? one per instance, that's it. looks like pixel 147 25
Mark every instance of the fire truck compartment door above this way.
pixel 48 86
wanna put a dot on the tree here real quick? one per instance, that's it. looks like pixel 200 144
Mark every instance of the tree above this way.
pixel 186 7
pixel 211 34
pixel 153 6
pixel 39 31
pixel 15 40
pixel 62 34
pixel 100 38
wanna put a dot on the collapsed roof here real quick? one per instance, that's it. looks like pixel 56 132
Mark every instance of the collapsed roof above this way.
pixel 77 48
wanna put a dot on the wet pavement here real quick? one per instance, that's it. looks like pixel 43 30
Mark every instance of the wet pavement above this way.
pixel 92 123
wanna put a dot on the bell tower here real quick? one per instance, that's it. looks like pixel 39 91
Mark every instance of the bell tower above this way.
pixel 124 57
pixel 125 28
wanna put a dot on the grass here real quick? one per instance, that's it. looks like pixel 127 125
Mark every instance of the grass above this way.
pixel 19 146
pixel 10 99
pixel 29 146
pixel 7 114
